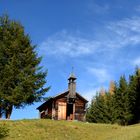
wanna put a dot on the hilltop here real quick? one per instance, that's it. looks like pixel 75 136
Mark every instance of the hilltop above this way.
pixel 64 130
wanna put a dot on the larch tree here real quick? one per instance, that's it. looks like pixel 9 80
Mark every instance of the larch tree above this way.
pixel 22 81
pixel 111 87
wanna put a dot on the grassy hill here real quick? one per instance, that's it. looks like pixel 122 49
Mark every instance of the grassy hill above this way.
pixel 64 130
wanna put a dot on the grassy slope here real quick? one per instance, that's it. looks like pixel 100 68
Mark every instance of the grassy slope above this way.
pixel 64 130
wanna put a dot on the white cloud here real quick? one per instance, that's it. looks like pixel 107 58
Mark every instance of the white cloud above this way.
pixel 101 74
pixel 118 35
pixel 89 94
pixel 126 30
pixel 64 44
pixel 136 61
pixel 126 25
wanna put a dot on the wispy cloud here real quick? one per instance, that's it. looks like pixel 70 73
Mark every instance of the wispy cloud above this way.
pixel 64 44
pixel 89 94
pixel 106 52
pixel 94 8
pixel 126 30
pixel 101 74
pixel 136 62
pixel 118 35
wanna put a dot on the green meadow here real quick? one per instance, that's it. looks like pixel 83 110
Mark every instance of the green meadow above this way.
pixel 66 130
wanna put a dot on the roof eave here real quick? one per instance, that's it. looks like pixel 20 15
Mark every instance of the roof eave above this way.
pixel 82 97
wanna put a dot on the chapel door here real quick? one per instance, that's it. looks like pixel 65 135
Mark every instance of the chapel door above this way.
pixel 61 111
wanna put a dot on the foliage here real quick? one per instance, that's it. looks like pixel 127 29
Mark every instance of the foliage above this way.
pixel 120 105
pixel 101 109
pixel 47 98
pixel 134 95
pixel 21 78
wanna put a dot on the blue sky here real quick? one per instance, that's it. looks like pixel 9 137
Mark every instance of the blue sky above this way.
pixel 100 39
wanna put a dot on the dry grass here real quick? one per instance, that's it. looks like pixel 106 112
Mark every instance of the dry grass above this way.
pixel 64 130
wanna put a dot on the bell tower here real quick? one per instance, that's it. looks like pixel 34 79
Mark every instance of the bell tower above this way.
pixel 72 88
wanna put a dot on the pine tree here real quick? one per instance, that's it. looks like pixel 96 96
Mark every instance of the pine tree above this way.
pixel 98 109
pixel 109 107
pixel 101 109
pixel 137 105
pixel 21 78
pixel 90 116
pixel 123 113
pixel 95 111
pixel 120 105
pixel 134 96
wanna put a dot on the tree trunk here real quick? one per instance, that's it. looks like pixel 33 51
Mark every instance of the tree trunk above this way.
pixel 8 111
pixel 0 113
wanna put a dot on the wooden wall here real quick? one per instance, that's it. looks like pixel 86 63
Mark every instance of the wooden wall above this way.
pixel 47 108
pixel 79 108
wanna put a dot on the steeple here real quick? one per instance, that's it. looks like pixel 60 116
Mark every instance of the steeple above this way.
pixel 72 77
pixel 72 87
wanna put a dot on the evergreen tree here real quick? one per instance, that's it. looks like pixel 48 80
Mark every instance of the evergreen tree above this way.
pixel 120 102
pixel 117 100
pixel 109 102
pixel 96 110
pixel 137 105
pixel 90 115
pixel 120 105
pixel 101 109
pixel 134 96
pixel 21 78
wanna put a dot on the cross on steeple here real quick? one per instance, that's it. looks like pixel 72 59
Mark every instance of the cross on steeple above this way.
pixel 72 76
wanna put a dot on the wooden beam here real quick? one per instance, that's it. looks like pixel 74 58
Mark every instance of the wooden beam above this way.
pixel 73 111
pixel 53 110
